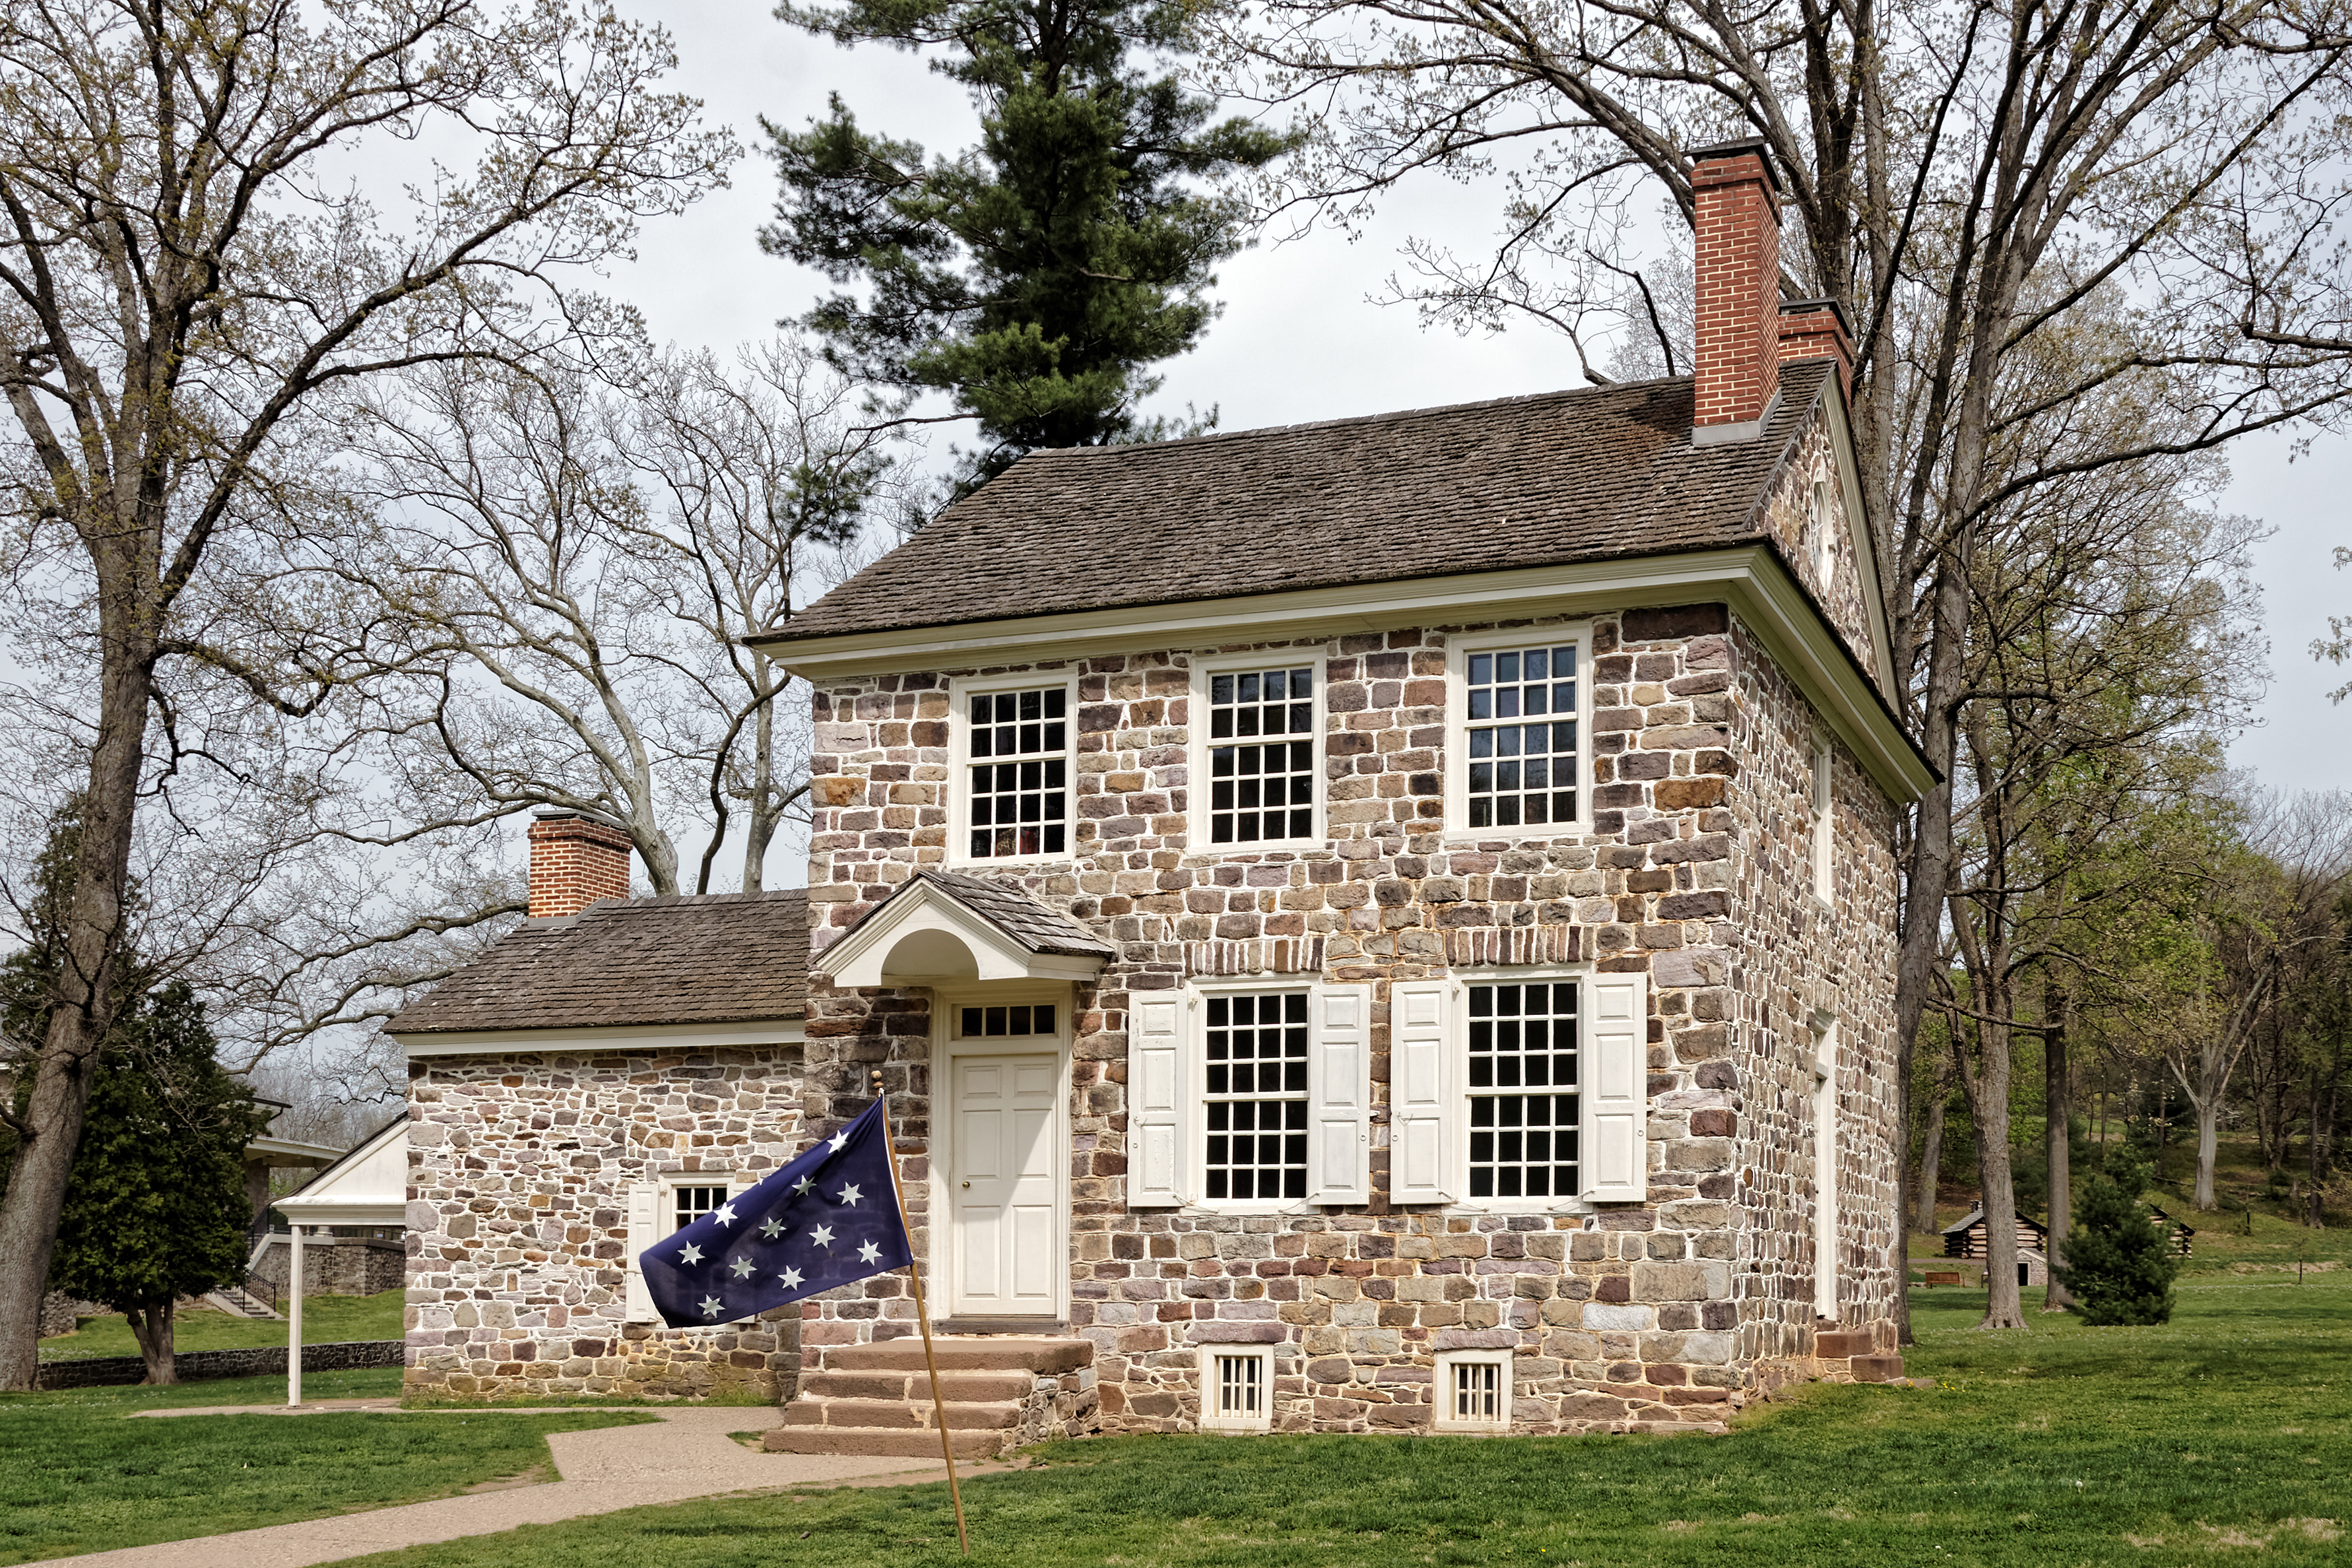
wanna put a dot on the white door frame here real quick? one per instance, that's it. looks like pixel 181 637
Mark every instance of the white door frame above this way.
pixel 945 1049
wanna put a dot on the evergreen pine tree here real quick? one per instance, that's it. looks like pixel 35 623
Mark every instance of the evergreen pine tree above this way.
pixel 155 1207
pixel 1035 276
pixel 2119 1261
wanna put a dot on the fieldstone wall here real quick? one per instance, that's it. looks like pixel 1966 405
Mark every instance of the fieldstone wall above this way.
pixel 335 1265
pixel 197 1366
pixel 1789 518
pixel 518 1224
pixel 60 1312
pixel 1619 1316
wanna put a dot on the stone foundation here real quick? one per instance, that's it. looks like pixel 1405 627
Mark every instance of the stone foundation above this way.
pixel 335 1266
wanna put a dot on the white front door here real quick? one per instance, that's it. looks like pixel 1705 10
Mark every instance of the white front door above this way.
pixel 1000 1186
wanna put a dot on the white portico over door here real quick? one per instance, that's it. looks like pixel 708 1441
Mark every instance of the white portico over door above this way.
pixel 1003 1167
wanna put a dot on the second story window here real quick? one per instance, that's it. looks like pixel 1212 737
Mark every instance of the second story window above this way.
pixel 1520 730
pixel 1019 773
pixel 1261 755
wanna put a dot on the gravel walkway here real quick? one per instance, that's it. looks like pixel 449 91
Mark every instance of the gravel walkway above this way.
pixel 687 1454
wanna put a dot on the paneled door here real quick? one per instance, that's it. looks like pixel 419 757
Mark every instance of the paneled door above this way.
pixel 1001 1186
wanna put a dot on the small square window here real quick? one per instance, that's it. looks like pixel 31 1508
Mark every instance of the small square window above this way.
pixel 690 1204
pixel 1474 1391
pixel 1236 1389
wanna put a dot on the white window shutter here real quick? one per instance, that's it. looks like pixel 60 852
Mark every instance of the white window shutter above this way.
pixel 1339 1095
pixel 1614 1081
pixel 1157 1085
pixel 1422 1109
pixel 644 1221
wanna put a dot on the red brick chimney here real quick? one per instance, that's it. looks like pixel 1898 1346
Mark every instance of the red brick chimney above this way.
pixel 574 861
pixel 1817 328
pixel 1738 287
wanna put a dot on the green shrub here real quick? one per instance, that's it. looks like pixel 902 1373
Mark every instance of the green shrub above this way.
pixel 2119 1261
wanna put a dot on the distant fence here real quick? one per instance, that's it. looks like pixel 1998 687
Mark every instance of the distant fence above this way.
pixel 262 1361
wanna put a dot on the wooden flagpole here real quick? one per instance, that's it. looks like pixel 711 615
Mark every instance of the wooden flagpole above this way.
pixel 922 1317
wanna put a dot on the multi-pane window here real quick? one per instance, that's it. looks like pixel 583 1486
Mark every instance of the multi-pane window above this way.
pixel 1521 734
pixel 1020 772
pixel 1523 1087
pixel 1477 1390
pixel 1240 1392
pixel 1256 1106
pixel 979 1023
pixel 1261 755
pixel 690 1204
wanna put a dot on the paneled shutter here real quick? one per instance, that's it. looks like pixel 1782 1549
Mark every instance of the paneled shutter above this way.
pixel 1613 1139
pixel 1157 1085
pixel 1339 1094
pixel 645 1229
pixel 1422 1099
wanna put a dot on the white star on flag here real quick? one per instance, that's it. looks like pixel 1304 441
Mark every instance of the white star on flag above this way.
pixel 689 1253
pixel 803 1185
pixel 726 1215
pixel 770 1229
pixel 822 1235
pixel 840 1142
pixel 791 1279
pixel 869 1253
pixel 742 1267
pixel 710 1305
pixel 849 1194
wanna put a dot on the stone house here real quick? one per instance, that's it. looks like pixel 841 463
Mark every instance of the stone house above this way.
pixel 1380 925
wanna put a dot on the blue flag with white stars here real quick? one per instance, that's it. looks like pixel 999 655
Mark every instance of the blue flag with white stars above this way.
pixel 830 1217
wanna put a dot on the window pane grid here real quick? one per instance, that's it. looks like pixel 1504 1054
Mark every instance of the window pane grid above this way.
pixel 1522 737
pixel 1241 1386
pixel 1256 1106
pixel 1020 796
pixel 980 1023
pixel 1477 1390
pixel 1523 1038
pixel 693 1202
pixel 1261 779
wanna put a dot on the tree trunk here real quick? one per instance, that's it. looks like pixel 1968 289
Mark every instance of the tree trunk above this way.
pixel 759 828
pixel 1931 1156
pixel 81 1004
pixel 2058 1114
pixel 2208 1148
pixel 151 1325
pixel 1988 1100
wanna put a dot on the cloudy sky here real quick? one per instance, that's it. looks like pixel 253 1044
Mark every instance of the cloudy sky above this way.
pixel 1300 340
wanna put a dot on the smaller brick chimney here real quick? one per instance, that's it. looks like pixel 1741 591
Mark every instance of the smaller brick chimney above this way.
pixel 1737 285
pixel 574 861
pixel 1817 328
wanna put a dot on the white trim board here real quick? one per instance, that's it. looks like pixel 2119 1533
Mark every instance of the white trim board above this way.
pixel 619 1037
pixel 1750 578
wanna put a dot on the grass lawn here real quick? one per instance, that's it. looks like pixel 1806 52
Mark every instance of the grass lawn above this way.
pixel 77 1475
pixel 2227 1431
pixel 326 1320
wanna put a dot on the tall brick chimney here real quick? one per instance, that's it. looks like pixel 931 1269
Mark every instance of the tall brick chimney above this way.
pixel 1737 289
pixel 574 861
pixel 1817 328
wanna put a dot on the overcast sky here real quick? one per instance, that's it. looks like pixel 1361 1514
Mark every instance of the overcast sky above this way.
pixel 1300 340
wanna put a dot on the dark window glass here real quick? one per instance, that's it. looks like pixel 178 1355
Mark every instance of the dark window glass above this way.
pixel 1256 1109
pixel 1523 1090
pixel 693 1202
pixel 1521 773
pixel 1019 801
pixel 981 1022
pixel 1261 788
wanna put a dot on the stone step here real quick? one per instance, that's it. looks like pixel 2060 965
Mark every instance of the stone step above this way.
pixel 990 1353
pixel 915 1386
pixel 1876 1368
pixel 898 1413
pixel 880 1442
pixel 1836 1344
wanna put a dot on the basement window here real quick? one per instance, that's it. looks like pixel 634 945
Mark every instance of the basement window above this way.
pixel 1236 1389
pixel 1474 1391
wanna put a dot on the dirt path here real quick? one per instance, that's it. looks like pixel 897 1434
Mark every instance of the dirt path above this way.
pixel 687 1454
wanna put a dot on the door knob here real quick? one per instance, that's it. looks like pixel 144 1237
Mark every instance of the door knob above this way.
pixel 967 1183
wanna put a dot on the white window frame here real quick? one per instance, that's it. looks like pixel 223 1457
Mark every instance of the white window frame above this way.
pixel 1212 1420
pixel 1455 787
pixel 1580 975
pixel 1822 810
pixel 1443 1393
pixel 648 1207
pixel 1825 1167
pixel 1824 543
pixel 1339 1097
pixel 1196 795
pixel 961 690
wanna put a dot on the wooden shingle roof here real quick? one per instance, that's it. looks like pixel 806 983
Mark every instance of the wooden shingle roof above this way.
pixel 715 959
pixel 1560 476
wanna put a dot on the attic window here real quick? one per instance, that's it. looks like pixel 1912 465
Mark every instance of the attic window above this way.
pixel 1019 773
pixel 1261 756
